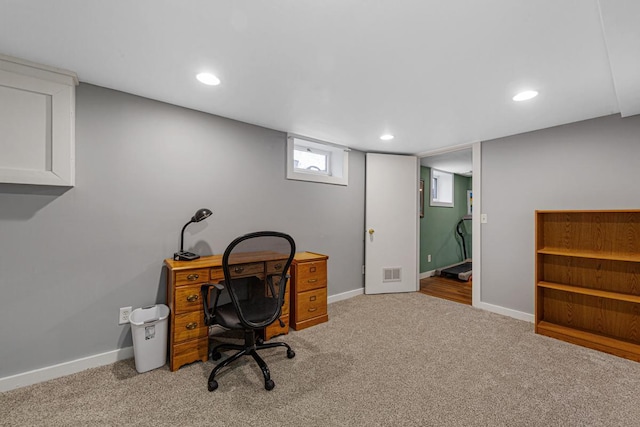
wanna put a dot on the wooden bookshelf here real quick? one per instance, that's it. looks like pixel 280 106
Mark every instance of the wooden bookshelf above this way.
pixel 588 279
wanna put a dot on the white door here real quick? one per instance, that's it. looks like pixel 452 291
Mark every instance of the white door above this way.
pixel 391 235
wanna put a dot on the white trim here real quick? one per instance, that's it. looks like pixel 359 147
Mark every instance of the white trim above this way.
pixel 446 150
pixel 62 369
pixel 417 217
pixel 318 141
pixel 476 226
pixel 520 315
pixel 426 274
pixel 437 173
pixel 345 295
pixel 338 161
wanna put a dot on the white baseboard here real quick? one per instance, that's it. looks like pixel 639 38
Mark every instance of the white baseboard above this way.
pixel 67 368
pixel 62 369
pixel 520 315
pixel 345 295
pixel 427 274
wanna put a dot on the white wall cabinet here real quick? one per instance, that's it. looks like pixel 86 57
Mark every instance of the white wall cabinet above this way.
pixel 37 123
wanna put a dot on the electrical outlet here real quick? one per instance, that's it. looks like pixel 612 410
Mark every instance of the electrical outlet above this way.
pixel 429 258
pixel 124 315
pixel 483 218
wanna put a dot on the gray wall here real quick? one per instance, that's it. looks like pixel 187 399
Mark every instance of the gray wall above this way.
pixel 587 165
pixel 70 258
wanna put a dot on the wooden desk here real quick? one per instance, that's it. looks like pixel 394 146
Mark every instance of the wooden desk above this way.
pixel 188 335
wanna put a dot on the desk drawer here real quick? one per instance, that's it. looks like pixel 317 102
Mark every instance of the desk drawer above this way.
pixel 189 325
pixel 189 352
pixel 189 277
pixel 311 304
pixel 188 298
pixel 275 266
pixel 241 270
pixel 311 275
pixel 217 275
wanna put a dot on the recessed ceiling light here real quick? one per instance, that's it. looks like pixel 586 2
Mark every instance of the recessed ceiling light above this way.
pixel 526 95
pixel 386 137
pixel 208 79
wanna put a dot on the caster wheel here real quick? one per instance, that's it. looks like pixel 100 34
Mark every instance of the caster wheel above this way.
pixel 269 385
pixel 259 341
pixel 213 384
pixel 291 354
pixel 216 355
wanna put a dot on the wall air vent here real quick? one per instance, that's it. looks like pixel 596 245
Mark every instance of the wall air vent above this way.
pixel 391 274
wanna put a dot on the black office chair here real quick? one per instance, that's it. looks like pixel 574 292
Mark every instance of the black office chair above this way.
pixel 256 291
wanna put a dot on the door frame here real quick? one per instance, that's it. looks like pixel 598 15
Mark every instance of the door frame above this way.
pixel 476 234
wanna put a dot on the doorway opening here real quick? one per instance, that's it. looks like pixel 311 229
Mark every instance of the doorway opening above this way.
pixel 443 243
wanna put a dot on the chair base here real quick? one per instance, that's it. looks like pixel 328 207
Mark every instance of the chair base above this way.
pixel 249 348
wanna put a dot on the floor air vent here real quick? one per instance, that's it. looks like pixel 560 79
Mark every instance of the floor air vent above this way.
pixel 391 274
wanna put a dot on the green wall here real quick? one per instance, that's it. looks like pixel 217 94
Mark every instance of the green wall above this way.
pixel 437 228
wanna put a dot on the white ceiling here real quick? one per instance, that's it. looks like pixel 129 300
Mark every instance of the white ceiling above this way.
pixel 433 73
pixel 459 162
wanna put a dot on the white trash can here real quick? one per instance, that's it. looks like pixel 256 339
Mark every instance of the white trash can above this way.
pixel 149 332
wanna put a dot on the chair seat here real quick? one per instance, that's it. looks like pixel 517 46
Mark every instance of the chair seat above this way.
pixel 227 316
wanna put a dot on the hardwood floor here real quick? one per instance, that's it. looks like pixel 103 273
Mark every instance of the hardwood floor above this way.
pixel 451 289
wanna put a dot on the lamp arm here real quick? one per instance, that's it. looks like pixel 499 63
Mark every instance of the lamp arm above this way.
pixel 182 236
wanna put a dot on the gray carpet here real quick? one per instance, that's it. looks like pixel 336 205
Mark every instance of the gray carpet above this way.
pixel 388 360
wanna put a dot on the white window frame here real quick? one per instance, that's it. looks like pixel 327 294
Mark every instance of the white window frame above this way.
pixel 325 153
pixel 337 161
pixel 442 187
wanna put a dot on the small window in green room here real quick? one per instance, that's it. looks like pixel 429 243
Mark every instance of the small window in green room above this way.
pixel 441 193
pixel 317 161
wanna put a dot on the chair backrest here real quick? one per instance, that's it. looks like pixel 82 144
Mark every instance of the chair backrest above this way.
pixel 255 270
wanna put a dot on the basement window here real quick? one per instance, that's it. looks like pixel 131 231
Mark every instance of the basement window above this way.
pixel 317 161
pixel 441 193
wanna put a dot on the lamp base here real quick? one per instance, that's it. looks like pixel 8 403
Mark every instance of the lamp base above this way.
pixel 185 256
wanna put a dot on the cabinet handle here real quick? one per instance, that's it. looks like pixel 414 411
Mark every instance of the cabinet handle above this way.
pixel 312 269
pixel 313 309
pixel 313 298
pixel 238 269
pixel 192 298
pixel 312 280
pixel 193 277
pixel 278 266
pixel 191 325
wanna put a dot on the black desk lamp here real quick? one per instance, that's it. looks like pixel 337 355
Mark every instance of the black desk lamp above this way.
pixel 190 256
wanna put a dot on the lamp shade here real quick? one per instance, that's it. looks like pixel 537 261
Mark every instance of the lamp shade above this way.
pixel 201 214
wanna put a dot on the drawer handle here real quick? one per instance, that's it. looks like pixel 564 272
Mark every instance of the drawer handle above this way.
pixel 312 280
pixel 313 298
pixel 192 325
pixel 238 269
pixel 193 277
pixel 312 269
pixel 313 309
pixel 278 266
pixel 192 298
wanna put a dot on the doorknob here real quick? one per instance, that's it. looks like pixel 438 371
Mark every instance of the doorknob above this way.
pixel 371 231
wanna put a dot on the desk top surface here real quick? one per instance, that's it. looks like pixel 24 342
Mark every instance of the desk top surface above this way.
pixel 239 258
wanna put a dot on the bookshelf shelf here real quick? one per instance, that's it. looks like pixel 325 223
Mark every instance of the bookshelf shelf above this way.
pixel 588 279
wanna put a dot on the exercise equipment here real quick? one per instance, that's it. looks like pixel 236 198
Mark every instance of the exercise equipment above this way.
pixel 461 270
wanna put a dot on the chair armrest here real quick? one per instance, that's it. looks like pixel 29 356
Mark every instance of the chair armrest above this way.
pixel 283 284
pixel 210 310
